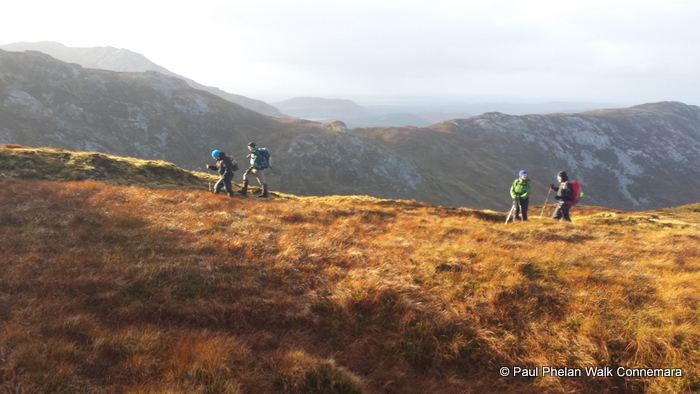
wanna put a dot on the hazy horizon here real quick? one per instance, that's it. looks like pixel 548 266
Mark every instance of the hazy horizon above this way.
pixel 371 52
pixel 436 101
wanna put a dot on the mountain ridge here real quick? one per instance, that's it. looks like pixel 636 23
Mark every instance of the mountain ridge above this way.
pixel 625 158
pixel 124 60
pixel 413 115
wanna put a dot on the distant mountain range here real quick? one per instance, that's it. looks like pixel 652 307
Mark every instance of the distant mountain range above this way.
pixel 355 115
pixel 124 60
pixel 642 157
pixel 352 114
pixel 320 109
pixel 310 108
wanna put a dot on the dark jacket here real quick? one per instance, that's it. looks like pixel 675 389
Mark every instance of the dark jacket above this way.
pixel 563 192
pixel 224 166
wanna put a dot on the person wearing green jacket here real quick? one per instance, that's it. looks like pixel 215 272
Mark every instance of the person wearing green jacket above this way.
pixel 256 168
pixel 520 193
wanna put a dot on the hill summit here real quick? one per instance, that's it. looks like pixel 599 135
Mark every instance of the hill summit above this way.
pixel 135 286
pixel 124 60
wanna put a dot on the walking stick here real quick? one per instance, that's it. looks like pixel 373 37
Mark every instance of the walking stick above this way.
pixel 209 179
pixel 509 213
pixel 545 201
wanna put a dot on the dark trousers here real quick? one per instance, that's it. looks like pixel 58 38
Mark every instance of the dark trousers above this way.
pixel 224 182
pixel 562 210
pixel 521 204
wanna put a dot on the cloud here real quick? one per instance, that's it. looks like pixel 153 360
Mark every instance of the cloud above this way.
pixel 592 50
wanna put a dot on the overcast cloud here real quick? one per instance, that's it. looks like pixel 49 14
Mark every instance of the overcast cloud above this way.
pixel 609 51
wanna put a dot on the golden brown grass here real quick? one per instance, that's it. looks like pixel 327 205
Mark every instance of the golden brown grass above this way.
pixel 114 288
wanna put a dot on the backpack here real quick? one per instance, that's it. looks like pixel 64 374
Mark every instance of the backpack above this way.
pixel 576 192
pixel 229 163
pixel 524 184
pixel 265 154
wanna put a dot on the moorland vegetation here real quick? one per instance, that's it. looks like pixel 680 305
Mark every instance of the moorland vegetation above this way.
pixel 121 275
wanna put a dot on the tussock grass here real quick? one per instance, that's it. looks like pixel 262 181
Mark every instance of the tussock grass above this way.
pixel 17 161
pixel 58 164
pixel 106 287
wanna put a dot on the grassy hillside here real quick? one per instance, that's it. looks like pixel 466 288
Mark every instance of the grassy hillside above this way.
pixel 17 161
pixel 118 286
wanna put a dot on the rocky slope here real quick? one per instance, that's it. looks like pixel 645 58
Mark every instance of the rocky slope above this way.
pixel 124 60
pixel 46 102
pixel 642 157
pixel 634 158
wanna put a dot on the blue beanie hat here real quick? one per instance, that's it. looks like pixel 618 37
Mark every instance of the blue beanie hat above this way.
pixel 521 173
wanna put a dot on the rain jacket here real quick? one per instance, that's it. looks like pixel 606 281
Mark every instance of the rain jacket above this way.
pixel 520 188
pixel 256 159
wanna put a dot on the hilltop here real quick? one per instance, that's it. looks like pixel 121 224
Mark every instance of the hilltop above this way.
pixel 121 275
pixel 124 60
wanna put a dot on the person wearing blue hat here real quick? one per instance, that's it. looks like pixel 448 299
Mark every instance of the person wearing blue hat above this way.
pixel 226 167
pixel 520 193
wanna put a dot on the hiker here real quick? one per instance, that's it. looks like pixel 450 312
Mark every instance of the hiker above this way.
pixel 564 196
pixel 226 168
pixel 520 193
pixel 256 168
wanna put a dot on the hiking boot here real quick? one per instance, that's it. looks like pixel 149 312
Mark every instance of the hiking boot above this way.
pixel 264 192
pixel 244 191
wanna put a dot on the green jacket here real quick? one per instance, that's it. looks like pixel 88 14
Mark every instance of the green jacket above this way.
pixel 520 188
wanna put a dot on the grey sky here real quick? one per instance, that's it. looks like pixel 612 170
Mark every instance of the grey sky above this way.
pixel 613 51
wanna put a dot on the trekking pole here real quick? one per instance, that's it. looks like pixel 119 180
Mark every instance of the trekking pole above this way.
pixel 545 201
pixel 209 179
pixel 509 213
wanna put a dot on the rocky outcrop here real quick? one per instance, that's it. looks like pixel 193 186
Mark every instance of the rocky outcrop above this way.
pixel 636 156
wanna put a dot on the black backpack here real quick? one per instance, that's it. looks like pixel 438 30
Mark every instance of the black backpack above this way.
pixel 265 154
pixel 230 165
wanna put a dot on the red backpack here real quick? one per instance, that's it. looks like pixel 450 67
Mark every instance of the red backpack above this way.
pixel 576 192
